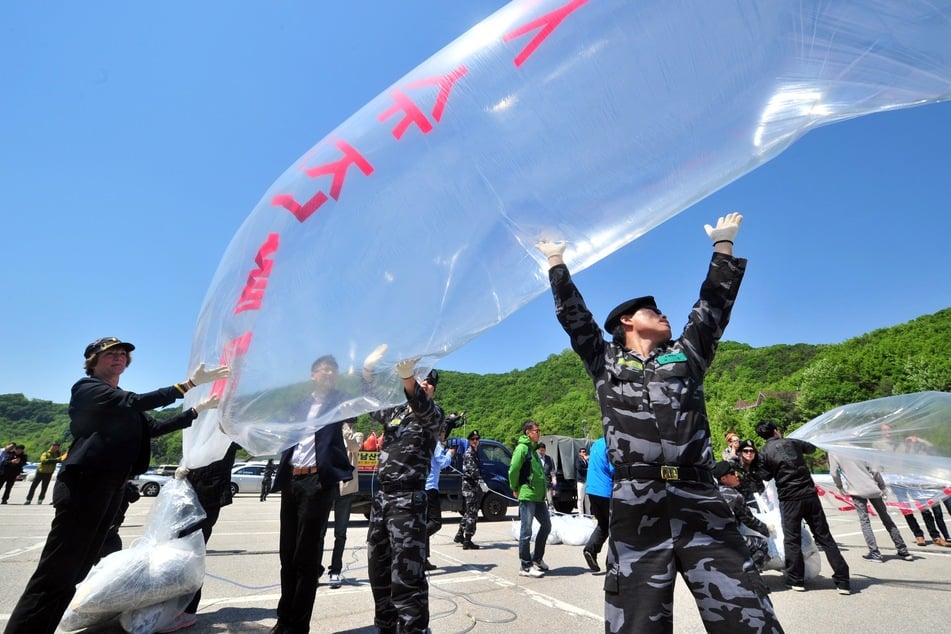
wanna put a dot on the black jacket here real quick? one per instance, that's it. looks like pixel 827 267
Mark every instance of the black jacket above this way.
pixel 111 428
pixel 782 460
pixel 333 464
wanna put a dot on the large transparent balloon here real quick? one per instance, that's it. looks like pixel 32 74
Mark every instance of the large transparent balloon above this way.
pixel 413 222
pixel 906 437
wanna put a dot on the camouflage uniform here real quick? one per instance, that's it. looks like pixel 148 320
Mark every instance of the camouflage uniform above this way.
pixel 396 540
pixel 471 493
pixel 653 415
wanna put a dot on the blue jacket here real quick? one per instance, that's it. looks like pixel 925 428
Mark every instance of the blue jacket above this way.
pixel 441 460
pixel 600 471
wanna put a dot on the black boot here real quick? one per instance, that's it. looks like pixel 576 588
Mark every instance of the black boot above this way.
pixel 468 545
pixel 458 538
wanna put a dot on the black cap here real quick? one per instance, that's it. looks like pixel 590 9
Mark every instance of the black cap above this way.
pixel 432 378
pixel 722 468
pixel 105 343
pixel 473 435
pixel 629 307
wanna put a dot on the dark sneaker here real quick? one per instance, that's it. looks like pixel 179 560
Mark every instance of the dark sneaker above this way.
pixel 873 556
pixel 428 565
pixel 335 581
pixel 796 586
pixel 592 561
pixel 541 565
pixel 468 545
pixel 907 556
pixel 458 538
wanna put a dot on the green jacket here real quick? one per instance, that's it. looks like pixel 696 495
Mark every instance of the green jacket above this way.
pixel 534 490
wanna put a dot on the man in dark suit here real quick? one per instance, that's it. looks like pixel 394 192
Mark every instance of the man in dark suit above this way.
pixel 307 477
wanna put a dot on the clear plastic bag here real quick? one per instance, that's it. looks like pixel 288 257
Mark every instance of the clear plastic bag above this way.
pixel 157 568
pixel 413 222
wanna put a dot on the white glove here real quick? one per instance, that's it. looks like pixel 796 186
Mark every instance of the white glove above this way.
pixel 771 529
pixel 549 249
pixel 181 473
pixel 374 357
pixel 200 375
pixel 726 228
pixel 407 368
pixel 483 486
pixel 209 403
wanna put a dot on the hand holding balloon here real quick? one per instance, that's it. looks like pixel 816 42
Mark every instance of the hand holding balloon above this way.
pixel 725 231
pixel 200 375
pixel 369 364
pixel 407 368
pixel 209 403
pixel 554 251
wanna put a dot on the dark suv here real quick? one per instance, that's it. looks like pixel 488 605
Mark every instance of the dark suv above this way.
pixel 495 458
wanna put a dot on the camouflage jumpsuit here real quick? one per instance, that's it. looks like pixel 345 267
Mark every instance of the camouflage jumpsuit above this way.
pixel 653 414
pixel 471 493
pixel 396 540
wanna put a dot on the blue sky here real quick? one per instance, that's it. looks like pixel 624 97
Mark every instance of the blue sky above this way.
pixel 136 138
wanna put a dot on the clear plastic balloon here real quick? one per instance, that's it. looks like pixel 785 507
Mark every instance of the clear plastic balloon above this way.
pixel 906 437
pixel 413 222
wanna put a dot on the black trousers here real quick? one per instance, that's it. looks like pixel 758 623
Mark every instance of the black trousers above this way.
pixel 7 483
pixel 86 504
pixel 793 512
pixel 305 510
pixel 601 508
pixel 43 481
pixel 433 515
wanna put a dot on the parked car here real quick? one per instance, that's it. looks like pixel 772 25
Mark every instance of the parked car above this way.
pixel 150 483
pixel 247 477
pixel 29 470
pixel 164 469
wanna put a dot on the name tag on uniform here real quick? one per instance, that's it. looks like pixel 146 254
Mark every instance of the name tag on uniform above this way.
pixel 673 357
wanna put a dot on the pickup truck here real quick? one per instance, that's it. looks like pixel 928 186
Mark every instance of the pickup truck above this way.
pixel 496 458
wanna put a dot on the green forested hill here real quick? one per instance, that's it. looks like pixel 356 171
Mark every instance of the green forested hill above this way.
pixel 788 383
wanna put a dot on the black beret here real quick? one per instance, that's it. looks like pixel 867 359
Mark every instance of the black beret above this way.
pixel 629 307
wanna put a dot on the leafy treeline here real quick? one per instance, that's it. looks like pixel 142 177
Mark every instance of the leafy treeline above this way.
pixel 790 384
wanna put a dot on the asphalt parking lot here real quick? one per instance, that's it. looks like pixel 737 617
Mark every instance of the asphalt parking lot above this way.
pixel 480 591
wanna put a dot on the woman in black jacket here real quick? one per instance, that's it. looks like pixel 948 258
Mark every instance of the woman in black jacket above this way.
pixel 111 430
pixel 747 462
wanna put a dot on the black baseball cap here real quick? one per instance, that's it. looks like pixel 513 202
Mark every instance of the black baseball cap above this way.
pixel 105 343
pixel 629 307
pixel 722 468
pixel 432 378
pixel 473 435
